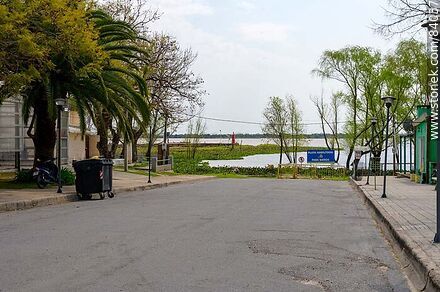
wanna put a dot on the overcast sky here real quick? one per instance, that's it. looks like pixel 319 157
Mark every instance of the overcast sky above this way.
pixel 249 50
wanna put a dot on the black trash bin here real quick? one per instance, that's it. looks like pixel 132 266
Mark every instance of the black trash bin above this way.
pixel 93 176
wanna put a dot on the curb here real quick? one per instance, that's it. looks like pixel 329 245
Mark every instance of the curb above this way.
pixel 72 197
pixel 423 274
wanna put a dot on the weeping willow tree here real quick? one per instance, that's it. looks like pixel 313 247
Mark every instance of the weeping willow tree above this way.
pixel 53 49
pixel 366 75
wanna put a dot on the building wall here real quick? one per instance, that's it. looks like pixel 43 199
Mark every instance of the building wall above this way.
pixel 93 149
pixel 76 147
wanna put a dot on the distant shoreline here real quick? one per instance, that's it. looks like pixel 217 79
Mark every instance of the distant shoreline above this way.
pixel 248 136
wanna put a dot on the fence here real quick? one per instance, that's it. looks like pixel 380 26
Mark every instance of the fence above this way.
pixel 158 165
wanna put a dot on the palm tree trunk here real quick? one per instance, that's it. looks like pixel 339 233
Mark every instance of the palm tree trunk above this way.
pixel 102 128
pixel 44 136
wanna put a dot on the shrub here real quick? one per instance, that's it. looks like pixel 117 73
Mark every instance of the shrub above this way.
pixel 24 176
pixel 67 176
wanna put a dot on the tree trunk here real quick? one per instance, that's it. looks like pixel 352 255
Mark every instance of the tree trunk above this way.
pixel 102 128
pixel 286 151
pixel 350 154
pixel 134 149
pixel 116 137
pixel 44 136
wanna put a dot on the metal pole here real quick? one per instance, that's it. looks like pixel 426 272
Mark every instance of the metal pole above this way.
pixel 410 153
pixel 17 161
pixel 149 156
pixel 165 156
pixel 375 185
pixel 384 195
pixel 394 146
pixel 59 191
pixel 369 169
pixel 404 154
pixel 437 188
pixel 400 154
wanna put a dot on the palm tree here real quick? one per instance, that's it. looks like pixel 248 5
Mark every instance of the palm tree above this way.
pixel 110 89
pixel 125 90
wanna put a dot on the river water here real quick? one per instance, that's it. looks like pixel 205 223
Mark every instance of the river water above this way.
pixel 262 160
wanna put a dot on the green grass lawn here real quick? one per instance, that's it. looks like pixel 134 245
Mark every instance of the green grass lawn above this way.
pixel 185 165
pixel 17 186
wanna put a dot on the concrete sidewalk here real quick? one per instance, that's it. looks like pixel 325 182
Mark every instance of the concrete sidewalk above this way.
pixel 408 217
pixel 12 199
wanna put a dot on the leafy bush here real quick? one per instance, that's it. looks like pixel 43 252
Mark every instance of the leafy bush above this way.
pixel 315 172
pixel 67 176
pixel 24 176
pixel 193 167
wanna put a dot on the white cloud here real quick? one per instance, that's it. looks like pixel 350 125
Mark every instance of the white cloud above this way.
pixel 264 32
pixel 182 8
pixel 246 5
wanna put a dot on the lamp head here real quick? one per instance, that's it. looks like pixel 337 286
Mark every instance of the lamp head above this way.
pixel 388 100
pixel 60 102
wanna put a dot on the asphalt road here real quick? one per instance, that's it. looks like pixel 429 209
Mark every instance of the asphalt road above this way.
pixel 219 235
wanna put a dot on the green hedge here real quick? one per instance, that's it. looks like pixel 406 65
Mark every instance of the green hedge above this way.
pixel 25 176
pixel 193 167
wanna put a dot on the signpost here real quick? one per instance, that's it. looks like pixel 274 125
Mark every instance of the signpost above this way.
pixel 321 156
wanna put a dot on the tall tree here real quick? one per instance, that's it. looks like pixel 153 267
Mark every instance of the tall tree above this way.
pixel 55 49
pixel 175 91
pixel 296 126
pixel 368 75
pixel 43 44
pixel 407 16
pixel 346 66
pixel 276 124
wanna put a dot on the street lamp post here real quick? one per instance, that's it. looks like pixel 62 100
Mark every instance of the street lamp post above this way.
pixel 60 103
pixel 388 100
pixel 149 157
pixel 373 125
pixel 434 25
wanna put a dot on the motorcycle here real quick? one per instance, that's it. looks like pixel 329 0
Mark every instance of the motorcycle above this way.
pixel 45 172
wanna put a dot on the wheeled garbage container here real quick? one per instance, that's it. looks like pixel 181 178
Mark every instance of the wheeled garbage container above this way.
pixel 93 176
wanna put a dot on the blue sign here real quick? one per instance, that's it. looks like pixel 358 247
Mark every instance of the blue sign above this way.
pixel 321 156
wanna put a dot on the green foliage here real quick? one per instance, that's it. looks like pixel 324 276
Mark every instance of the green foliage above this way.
pixel 193 167
pixel 183 165
pixel 43 40
pixel 315 172
pixel 366 76
pixel 67 176
pixel 24 176
pixel 53 49
pixel 227 153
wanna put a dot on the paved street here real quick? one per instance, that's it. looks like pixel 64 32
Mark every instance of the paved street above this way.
pixel 218 235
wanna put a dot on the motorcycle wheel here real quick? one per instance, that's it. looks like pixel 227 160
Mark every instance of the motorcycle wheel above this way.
pixel 110 194
pixel 41 182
